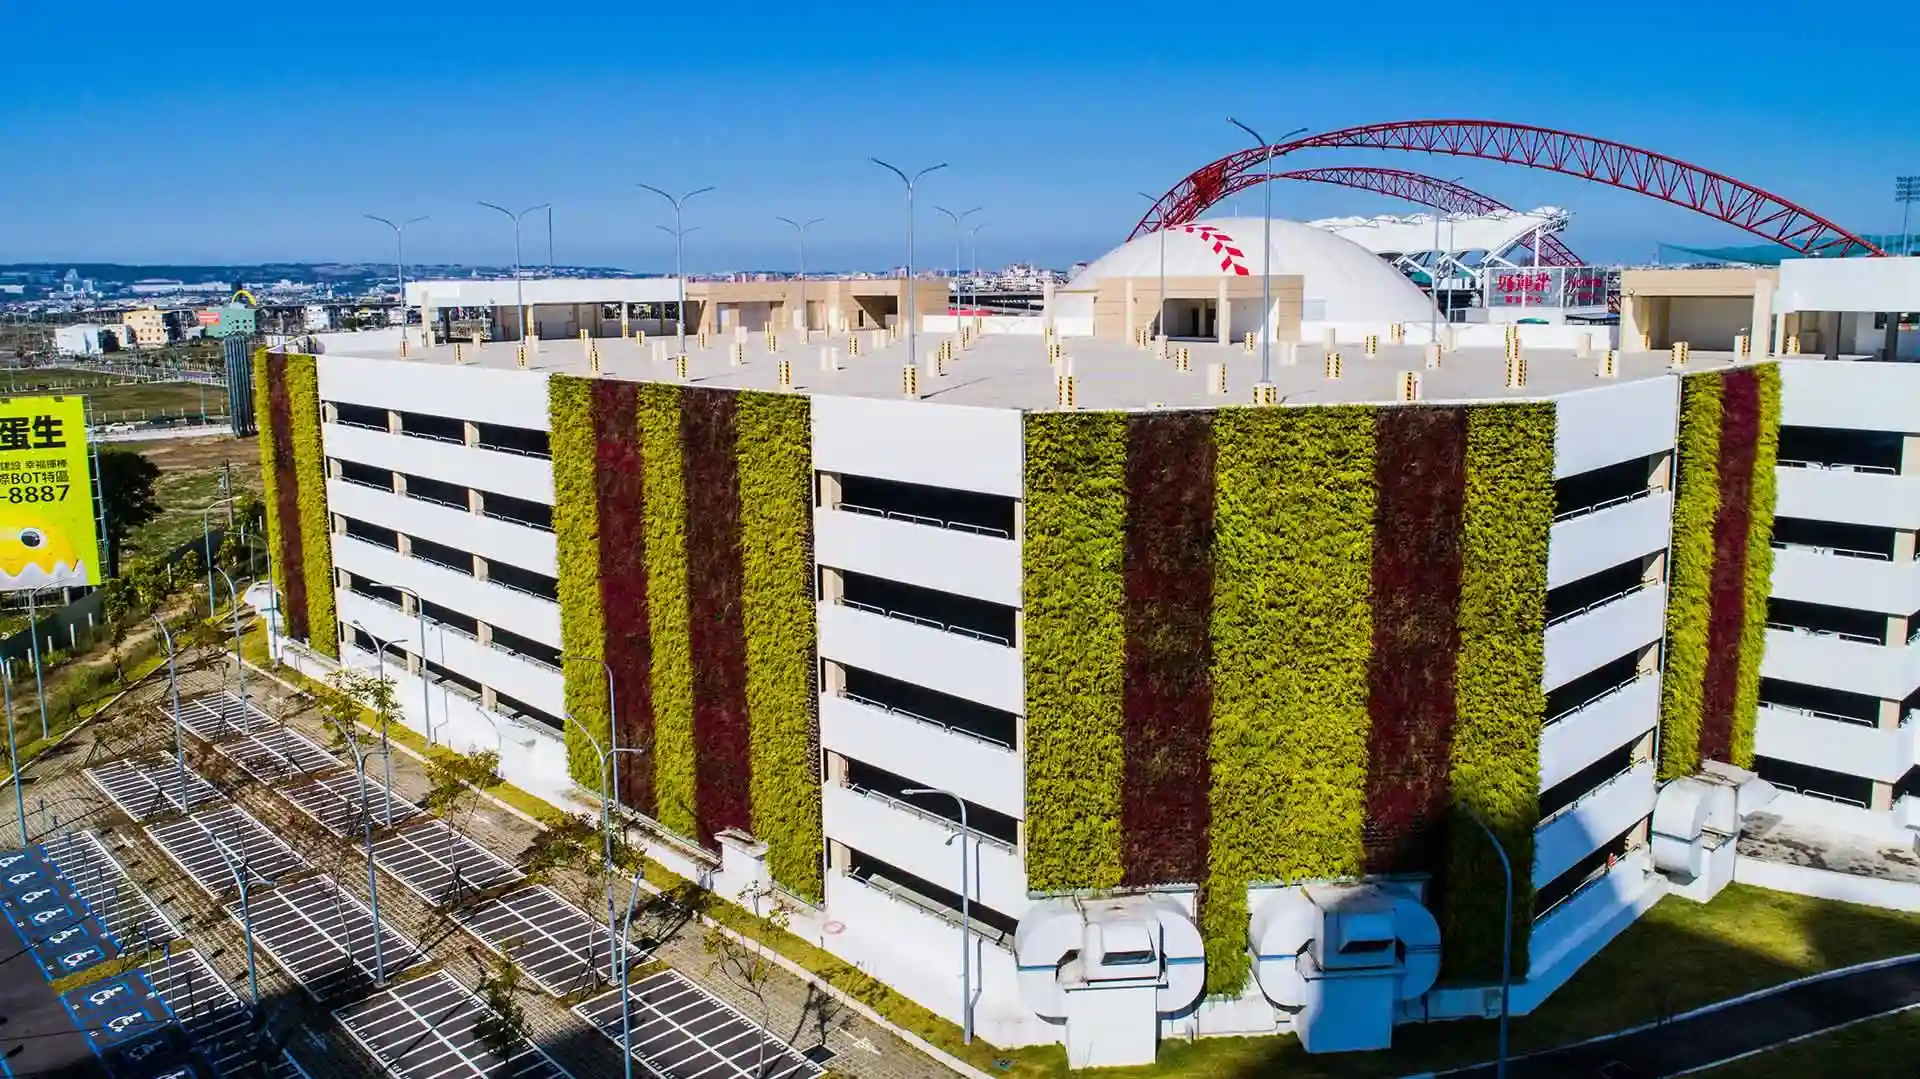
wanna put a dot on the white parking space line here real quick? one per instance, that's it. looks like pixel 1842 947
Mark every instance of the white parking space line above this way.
pixel 214 844
pixel 335 802
pixel 213 716
pixel 439 864
pixel 131 915
pixel 561 948
pixel 323 936
pixel 682 1031
pixel 425 1029
pixel 277 754
pixel 151 787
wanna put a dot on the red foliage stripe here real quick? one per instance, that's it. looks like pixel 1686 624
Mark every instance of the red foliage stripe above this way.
pixel 290 559
pixel 723 761
pixel 1726 593
pixel 1420 475
pixel 619 492
pixel 1167 694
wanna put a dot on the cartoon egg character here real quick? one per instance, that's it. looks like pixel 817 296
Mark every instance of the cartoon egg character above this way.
pixel 37 555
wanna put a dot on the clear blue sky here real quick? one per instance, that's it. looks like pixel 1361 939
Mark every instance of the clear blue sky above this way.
pixel 244 133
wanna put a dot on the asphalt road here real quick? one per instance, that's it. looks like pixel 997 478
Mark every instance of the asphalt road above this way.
pixel 37 1036
pixel 1687 1043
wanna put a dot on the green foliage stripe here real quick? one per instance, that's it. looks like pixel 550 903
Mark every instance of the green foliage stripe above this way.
pixel 1499 703
pixel 1075 631
pixel 270 464
pixel 666 529
pixel 1292 633
pixel 1690 574
pixel 1759 574
pixel 309 463
pixel 774 450
pixel 576 529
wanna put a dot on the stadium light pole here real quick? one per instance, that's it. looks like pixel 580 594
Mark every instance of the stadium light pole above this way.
pixel 1162 230
pixel 959 229
pixel 519 289
pixel 806 324
pixel 1906 192
pixel 679 233
pixel 1266 249
pixel 1506 943
pixel 913 300
pixel 400 257
pixel 966 914
pixel 973 263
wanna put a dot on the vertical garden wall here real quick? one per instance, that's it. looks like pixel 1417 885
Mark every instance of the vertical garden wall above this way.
pixel 1722 568
pixel 1273 645
pixel 684 520
pixel 293 468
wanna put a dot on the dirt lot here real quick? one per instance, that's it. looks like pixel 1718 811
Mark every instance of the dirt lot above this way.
pixel 190 474
pixel 115 400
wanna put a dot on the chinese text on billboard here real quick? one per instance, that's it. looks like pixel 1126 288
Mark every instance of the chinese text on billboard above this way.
pixel 46 495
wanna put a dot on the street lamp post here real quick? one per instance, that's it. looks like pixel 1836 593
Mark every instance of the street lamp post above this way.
pixel 806 323
pixel 966 914
pixel 613 721
pixel 206 542
pixel 13 750
pixel 519 289
pixel 616 933
pixel 1906 192
pixel 380 665
pixel 1433 275
pixel 179 742
pixel 973 264
pixel 912 299
pixel 239 661
pixel 33 640
pixel 1266 249
pixel 679 253
pixel 400 258
pixel 1162 230
pixel 420 610
pixel 366 822
pixel 959 233
pixel 1506 943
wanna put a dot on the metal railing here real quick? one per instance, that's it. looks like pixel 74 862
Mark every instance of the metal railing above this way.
pixel 533 659
pixel 555 598
pixel 521 521
pixel 1591 793
pixel 431 437
pixel 1585 511
pixel 1599 874
pixel 1597 604
pixel 467 569
pixel 368 484
pixel 462 507
pixel 930 816
pixel 914 518
pixel 380 427
pixel 930 623
pixel 918 718
pixel 1805 631
pixel 514 450
pixel 1596 699
pixel 1822 795
pixel 905 896
pixel 1823 466
pixel 1843 552
pixel 1815 713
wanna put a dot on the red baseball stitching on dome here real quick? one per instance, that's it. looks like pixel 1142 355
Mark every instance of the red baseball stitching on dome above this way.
pixel 1230 255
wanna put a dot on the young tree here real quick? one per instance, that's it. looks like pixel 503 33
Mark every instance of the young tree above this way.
pixel 350 697
pixel 502 1028
pixel 748 966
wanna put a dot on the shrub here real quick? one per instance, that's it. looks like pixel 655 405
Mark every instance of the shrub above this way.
pixel 620 503
pixel 666 498
pixel 1759 575
pixel 722 733
pixel 316 526
pixel 1689 577
pixel 576 529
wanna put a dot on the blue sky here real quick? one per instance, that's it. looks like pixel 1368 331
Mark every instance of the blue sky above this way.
pixel 245 135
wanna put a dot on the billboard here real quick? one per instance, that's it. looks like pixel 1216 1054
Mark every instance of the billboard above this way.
pixel 1548 286
pixel 47 532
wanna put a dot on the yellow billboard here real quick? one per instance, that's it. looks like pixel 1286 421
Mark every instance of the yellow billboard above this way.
pixel 47 532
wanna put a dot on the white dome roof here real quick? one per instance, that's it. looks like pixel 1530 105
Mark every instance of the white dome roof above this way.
pixel 1344 281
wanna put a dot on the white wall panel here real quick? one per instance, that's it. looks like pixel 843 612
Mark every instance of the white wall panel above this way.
pixel 1587 544
pixel 1602 726
pixel 974 670
pixel 1560 843
pixel 1862 498
pixel 1849 394
pixel 512 398
pixel 1838 746
pixel 919 845
pixel 1890 673
pixel 966 449
pixel 1603 634
pixel 1864 584
pixel 980 772
pixel 963 563
pixel 529 616
pixel 513 474
pixel 488 537
pixel 516 676
pixel 1613 423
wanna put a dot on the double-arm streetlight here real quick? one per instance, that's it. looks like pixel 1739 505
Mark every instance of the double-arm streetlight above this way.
pixel 420 610
pixel 966 912
pixel 912 304
pixel 366 824
pixel 1433 275
pixel 239 661
pixel 33 640
pixel 801 227
pixel 519 289
pixel 400 257
pixel 380 664
pixel 959 233
pixel 973 246
pixel 679 234
pixel 179 741
pixel 1266 249
pixel 616 932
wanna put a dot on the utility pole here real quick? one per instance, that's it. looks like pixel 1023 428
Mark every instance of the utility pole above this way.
pixel 1906 192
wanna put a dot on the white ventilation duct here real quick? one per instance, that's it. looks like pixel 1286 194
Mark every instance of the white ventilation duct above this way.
pixel 1062 943
pixel 1300 935
pixel 1684 812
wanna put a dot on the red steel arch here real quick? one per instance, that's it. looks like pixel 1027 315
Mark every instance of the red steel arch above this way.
pixel 1417 188
pixel 1615 164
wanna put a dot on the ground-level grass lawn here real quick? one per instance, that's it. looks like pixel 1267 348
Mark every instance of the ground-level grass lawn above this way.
pixel 190 476
pixel 1888 1047
pixel 113 399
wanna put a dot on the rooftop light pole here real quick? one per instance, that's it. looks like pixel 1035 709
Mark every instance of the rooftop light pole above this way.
pixel 519 290
pixel 1161 228
pixel 1906 192
pixel 400 257
pixel 801 227
pixel 966 913
pixel 1266 249
pixel 973 242
pixel 913 301
pixel 679 234
pixel 1433 275
pixel 959 227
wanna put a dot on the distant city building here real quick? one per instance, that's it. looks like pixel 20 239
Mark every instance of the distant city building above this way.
pixel 148 327
pixel 86 339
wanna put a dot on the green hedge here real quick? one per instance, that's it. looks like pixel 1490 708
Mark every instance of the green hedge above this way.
pixel 1690 574
pixel 316 531
pixel 1495 763
pixel 576 529
pixel 775 452
pixel 1292 633
pixel 1759 575
pixel 270 466
pixel 666 497
pixel 1075 633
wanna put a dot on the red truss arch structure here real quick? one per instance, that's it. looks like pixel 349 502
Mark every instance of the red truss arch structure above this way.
pixel 1615 164
pixel 1415 187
